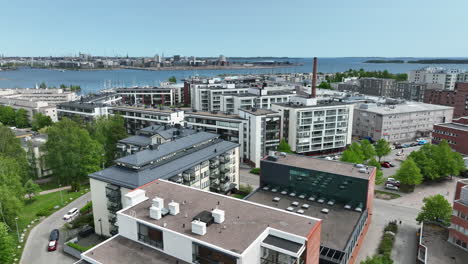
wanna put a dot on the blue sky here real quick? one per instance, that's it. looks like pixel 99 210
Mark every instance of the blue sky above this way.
pixel 296 28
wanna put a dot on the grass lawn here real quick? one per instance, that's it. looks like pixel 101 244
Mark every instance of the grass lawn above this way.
pixel 239 196
pixel 41 204
pixel 49 185
pixel 386 195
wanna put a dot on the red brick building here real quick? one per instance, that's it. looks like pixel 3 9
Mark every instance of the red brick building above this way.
pixel 458 232
pixel 456 134
pixel 457 98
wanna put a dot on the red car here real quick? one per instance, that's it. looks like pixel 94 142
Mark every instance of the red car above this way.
pixel 53 240
pixel 386 164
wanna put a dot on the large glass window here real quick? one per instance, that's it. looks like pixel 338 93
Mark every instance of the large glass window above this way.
pixel 150 236
pixel 206 255
pixel 274 257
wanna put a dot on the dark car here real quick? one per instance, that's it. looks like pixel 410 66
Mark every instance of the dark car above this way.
pixel 398 146
pixel 406 145
pixel 53 240
pixel 414 144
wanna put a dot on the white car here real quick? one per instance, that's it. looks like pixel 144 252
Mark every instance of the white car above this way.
pixel 391 187
pixel 400 154
pixel 71 214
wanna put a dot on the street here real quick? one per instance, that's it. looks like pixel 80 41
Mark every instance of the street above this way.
pixel 35 249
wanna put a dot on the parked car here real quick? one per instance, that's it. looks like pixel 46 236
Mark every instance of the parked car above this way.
pixel 392 181
pixel 386 164
pixel 406 145
pixel 71 214
pixel 391 187
pixel 53 240
pixel 398 146
pixel 400 154
pixel 422 142
pixel 414 144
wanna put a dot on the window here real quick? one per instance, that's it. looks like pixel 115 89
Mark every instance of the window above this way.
pixel 150 236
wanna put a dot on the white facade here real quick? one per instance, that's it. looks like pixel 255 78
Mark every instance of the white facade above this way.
pixel 447 78
pixel 316 128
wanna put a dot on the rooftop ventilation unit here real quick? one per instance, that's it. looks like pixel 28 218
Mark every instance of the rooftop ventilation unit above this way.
pixel 173 208
pixel 155 213
pixel 198 227
pixel 218 216
pixel 362 170
pixel 158 202
pixel 134 197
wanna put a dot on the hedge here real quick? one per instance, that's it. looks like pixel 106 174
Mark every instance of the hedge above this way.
pixel 87 208
pixel 78 247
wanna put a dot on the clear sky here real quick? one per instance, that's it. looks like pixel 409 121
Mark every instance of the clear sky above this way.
pixel 295 28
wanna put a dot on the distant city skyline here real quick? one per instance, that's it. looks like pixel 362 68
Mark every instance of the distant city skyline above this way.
pixel 296 28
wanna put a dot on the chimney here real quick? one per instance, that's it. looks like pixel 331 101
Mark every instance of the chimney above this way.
pixel 313 93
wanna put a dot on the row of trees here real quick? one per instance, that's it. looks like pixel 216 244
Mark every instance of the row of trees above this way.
pixel 19 118
pixel 364 152
pixel 73 88
pixel 430 163
pixel 361 73
pixel 74 150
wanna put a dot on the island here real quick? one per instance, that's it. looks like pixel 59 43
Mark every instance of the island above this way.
pixel 440 61
pixel 384 61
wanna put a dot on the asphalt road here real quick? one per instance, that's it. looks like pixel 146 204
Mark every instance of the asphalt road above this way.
pixel 35 249
pixel 404 250
pixel 247 178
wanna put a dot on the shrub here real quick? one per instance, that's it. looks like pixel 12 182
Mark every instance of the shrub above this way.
pixel 87 208
pixel 392 227
pixel 386 245
pixel 246 188
pixel 78 247
pixel 255 171
pixel 83 220
pixel 45 212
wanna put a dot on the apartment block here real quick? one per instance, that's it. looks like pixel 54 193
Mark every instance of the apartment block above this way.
pixel 255 98
pixel 315 127
pixel 339 193
pixel 458 231
pixel 201 160
pixel 377 86
pixel 458 99
pixel 263 134
pixel 413 91
pixel 398 122
pixel 164 95
pixel 164 222
pixel 455 133
pixel 435 75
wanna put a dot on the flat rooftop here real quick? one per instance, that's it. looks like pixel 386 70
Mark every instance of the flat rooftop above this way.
pixel 259 111
pixel 439 250
pixel 218 114
pixel 337 225
pixel 119 249
pixel 401 108
pixel 244 220
pixel 318 164
pixel 456 126
pixel 164 110
pixel 319 104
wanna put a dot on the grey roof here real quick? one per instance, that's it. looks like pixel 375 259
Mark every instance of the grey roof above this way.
pixel 132 179
pixel 146 156
pixel 152 129
pixel 169 133
pixel 456 126
pixel 282 243
pixel 137 141
pixel 401 108
pixel 319 104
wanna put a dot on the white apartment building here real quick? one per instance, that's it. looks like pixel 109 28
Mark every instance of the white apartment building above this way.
pixel 399 123
pixel 164 222
pixel 201 160
pixel 435 75
pixel 31 107
pixel 315 127
pixel 262 134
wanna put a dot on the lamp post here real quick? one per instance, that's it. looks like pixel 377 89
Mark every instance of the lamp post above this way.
pixel 17 229
pixel 61 197
pixel 100 224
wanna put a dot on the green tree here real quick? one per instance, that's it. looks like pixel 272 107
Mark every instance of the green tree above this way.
pixel 325 85
pixel 172 79
pixel 40 120
pixel 11 189
pixel 43 85
pixel 367 149
pixel 10 147
pixel 353 154
pixel 435 209
pixel 377 259
pixel 447 161
pixel 7 245
pixel 379 178
pixel 382 148
pixel 31 188
pixel 284 146
pixel 7 115
pixel 108 131
pixel 409 173
pixel 21 118
pixel 424 158
pixel 71 152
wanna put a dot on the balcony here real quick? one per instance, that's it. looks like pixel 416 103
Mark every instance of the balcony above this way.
pixel 225 158
pixel 112 218
pixel 113 206
pixel 188 175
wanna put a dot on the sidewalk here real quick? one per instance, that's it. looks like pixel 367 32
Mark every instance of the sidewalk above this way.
pixel 52 191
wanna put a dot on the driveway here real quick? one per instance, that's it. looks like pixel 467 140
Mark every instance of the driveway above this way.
pixel 35 249
pixel 247 178
pixel 404 250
